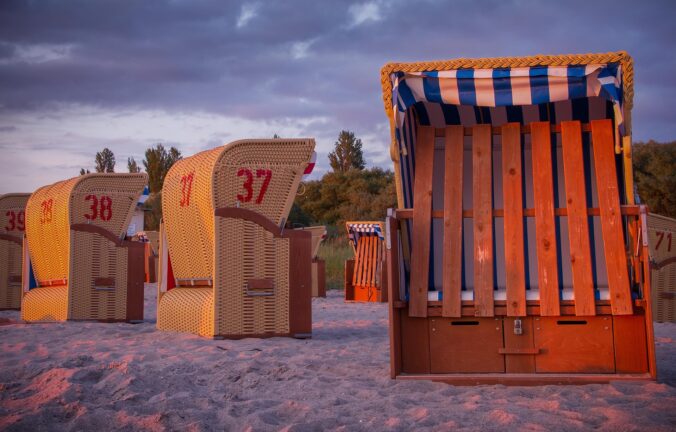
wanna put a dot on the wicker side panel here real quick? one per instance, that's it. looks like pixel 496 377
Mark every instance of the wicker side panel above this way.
pixel 188 310
pixel 10 275
pixel 47 230
pixel 45 304
pixel 261 175
pixel 245 251
pixel 188 213
pixel 90 195
pixel 98 280
pixel 662 241
pixel 13 224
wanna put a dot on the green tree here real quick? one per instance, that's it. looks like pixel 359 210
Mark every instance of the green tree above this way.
pixel 83 171
pixel 105 161
pixel 151 219
pixel 347 153
pixel 655 176
pixel 157 163
pixel 353 195
pixel 133 166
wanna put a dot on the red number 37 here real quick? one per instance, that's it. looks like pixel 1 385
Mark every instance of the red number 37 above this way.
pixel 248 184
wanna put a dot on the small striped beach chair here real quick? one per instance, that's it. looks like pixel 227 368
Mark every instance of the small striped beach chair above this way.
pixel 228 268
pixel 75 246
pixel 662 240
pixel 365 278
pixel 13 225
pixel 518 253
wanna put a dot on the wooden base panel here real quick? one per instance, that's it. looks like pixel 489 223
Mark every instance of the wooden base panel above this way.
pixel 525 379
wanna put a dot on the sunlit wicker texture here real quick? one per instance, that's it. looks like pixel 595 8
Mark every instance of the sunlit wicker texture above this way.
pixel 193 190
pixel 12 227
pixel 81 260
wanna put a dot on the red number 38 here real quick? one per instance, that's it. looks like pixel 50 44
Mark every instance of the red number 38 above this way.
pixel 102 207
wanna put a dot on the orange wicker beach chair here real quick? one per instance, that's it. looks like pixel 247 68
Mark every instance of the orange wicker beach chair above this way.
pixel 12 226
pixel 85 269
pixel 518 254
pixel 365 278
pixel 228 268
pixel 662 240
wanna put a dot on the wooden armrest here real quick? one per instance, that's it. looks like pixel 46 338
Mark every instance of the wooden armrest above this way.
pixel 10 238
pixel 260 287
pixel 260 220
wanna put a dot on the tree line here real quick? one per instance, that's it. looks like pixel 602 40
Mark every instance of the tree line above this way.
pixel 156 163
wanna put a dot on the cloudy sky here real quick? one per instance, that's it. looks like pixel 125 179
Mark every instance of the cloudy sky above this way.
pixel 78 76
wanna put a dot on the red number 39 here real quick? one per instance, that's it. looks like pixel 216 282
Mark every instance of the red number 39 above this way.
pixel 101 207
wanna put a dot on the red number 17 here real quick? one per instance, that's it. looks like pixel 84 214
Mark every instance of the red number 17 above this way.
pixel 248 184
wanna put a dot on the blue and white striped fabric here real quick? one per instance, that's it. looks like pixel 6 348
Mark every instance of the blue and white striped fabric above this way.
pixel 507 87
pixel 144 196
pixel 357 230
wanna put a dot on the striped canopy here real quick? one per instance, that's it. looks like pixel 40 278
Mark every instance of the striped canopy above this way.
pixel 355 230
pixel 503 87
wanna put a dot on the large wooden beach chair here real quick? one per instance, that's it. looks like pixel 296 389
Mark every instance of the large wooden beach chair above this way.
pixel 662 240
pixel 518 254
pixel 75 238
pixel 365 276
pixel 12 227
pixel 228 268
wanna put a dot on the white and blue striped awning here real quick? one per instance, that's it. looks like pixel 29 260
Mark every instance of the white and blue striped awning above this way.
pixel 503 87
pixel 357 230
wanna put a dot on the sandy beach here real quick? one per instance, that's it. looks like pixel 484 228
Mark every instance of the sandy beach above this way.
pixel 91 376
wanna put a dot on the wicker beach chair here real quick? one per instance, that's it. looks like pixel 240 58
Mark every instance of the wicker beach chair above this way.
pixel 365 278
pixel 13 225
pixel 227 267
pixel 84 268
pixel 318 264
pixel 662 240
pixel 518 254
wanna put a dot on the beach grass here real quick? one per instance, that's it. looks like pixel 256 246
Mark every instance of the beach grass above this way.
pixel 335 252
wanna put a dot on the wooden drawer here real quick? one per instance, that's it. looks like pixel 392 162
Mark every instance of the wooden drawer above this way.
pixel 466 345
pixel 574 344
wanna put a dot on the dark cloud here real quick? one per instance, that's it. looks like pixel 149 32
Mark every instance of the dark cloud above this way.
pixel 300 59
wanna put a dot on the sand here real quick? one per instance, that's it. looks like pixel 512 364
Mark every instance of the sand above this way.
pixel 98 377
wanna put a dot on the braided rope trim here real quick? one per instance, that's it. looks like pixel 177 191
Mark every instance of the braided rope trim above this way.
pixel 621 57
pixel 504 62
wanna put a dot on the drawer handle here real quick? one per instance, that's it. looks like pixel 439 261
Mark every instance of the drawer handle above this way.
pixel 519 351
pixel 572 322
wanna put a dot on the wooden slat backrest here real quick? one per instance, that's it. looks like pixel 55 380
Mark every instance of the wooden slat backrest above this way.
pixel 359 263
pixel 482 191
pixel 375 259
pixel 611 219
pixel 545 230
pixel 512 190
pixel 452 246
pixel 578 227
pixel 544 212
pixel 422 222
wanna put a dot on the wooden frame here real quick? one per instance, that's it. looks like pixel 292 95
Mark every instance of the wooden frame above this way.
pixel 521 341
